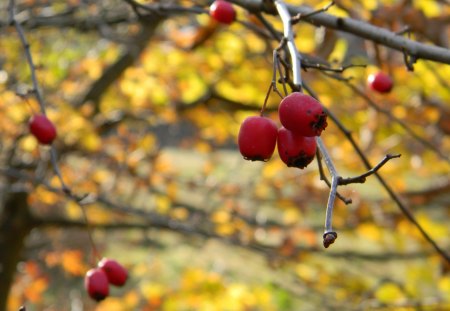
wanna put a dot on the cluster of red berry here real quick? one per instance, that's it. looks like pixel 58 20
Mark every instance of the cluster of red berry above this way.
pixel 302 118
pixel 97 280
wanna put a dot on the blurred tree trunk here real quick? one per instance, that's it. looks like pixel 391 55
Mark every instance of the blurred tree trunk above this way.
pixel 15 224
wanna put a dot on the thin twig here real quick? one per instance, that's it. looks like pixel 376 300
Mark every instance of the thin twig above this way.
pixel 54 161
pixel 362 178
pixel 321 67
pixel 400 122
pixel 370 32
pixel 160 8
pixel 40 99
pixel 299 16
pixel 26 46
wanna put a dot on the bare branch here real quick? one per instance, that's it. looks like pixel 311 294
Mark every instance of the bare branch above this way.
pixel 387 113
pixel 167 224
pixel 362 178
pixel 358 28
pixel 40 99
pixel 329 235
pixel 325 179
pixel 403 207
pixel 26 47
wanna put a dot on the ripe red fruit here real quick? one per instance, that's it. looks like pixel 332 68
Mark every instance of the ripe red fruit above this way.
pixel 380 82
pixel 96 284
pixel 257 138
pixel 115 272
pixel 42 128
pixel 302 114
pixel 222 11
pixel 294 149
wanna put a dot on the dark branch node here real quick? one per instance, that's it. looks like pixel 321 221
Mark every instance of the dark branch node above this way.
pixel 329 238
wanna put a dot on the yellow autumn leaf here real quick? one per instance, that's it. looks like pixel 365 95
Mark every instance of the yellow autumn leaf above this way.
pixel 179 213
pixel 163 204
pixel 444 287
pixel 369 231
pixel 34 291
pixel 112 304
pixel 225 229
pixel 73 210
pixel 291 216
pixel 153 292
pixel 221 217
pixel 72 262
pixel 389 293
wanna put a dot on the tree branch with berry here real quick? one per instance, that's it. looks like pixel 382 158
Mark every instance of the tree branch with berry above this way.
pixel 302 118
pixel 379 83
pixel 108 271
pixel 298 140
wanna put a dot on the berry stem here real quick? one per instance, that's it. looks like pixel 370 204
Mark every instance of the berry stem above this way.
pixel 273 83
pixel 277 63
pixel 95 253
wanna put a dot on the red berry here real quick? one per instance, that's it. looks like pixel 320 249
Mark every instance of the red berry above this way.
pixel 116 273
pixel 302 114
pixel 257 138
pixel 380 82
pixel 222 11
pixel 295 150
pixel 96 284
pixel 42 128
